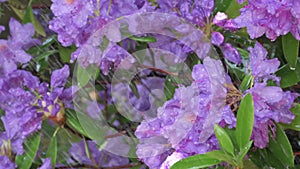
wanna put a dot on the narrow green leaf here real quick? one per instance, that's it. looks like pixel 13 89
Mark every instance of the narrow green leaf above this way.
pixel 198 161
pixel 134 89
pixel 288 76
pixel 224 140
pixel 19 12
pixel 281 147
pixel 73 122
pixel 143 38
pixel 290 47
pixel 246 83
pixel 31 146
pixel 52 150
pixel 169 88
pixel 295 124
pixel 45 54
pixel 243 152
pixel 245 120
pixel 30 18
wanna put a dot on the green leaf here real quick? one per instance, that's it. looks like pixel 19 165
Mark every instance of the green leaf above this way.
pixel 289 77
pixel 44 55
pixel 224 139
pixel 222 5
pixel 52 150
pixel 170 87
pixel 233 10
pixel 143 38
pixel 243 152
pixel 199 161
pixel 29 18
pixel 281 147
pixel 85 74
pixel 245 120
pixel 295 124
pixel 73 122
pixel 290 47
pixel 246 83
pixel 65 53
pixel 249 164
pixel 264 159
pixel 31 146
pixel 19 12
pixel 134 89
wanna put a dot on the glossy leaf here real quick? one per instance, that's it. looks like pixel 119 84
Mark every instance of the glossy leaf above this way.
pixel 281 147
pixel 290 47
pixel 224 139
pixel 288 76
pixel 31 146
pixel 199 161
pixel 52 150
pixel 245 120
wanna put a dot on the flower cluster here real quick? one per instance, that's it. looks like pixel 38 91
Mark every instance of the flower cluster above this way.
pixel 271 103
pixel 24 98
pixel 181 125
pixel 270 17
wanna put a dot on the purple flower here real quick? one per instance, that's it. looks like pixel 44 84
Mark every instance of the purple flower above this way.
pixel 21 117
pixel 6 163
pixel 46 164
pixel 12 51
pixel 262 68
pixel 231 54
pixel 172 159
pixel 196 12
pixel 271 103
pixel 59 77
pixel 217 38
pixel 185 123
pixel 270 17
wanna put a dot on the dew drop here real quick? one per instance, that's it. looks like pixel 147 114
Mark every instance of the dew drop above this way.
pixel 292 68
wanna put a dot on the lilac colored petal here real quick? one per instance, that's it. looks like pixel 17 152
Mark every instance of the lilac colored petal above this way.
pixel 172 159
pixel 261 66
pixel 217 38
pixel 270 17
pixel 231 54
pixel 59 77
pixel 46 164
pixel 240 1
pixel 6 163
pixel 220 19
